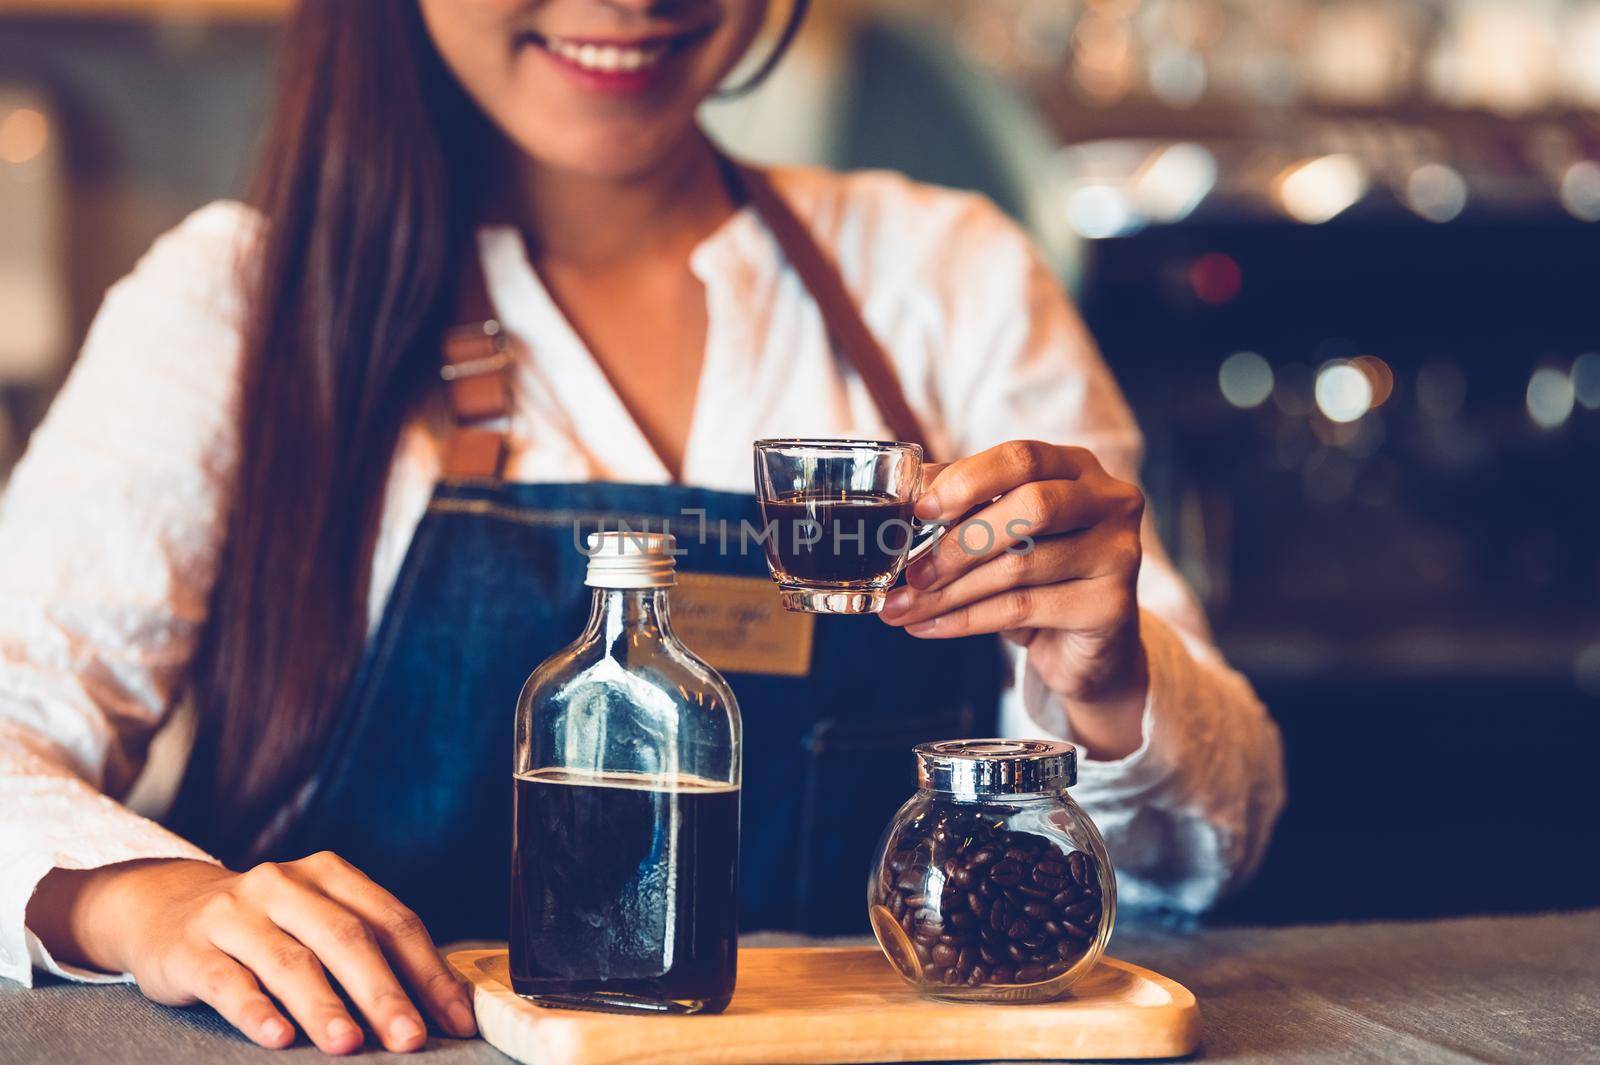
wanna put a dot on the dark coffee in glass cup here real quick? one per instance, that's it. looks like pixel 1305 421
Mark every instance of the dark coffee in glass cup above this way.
pixel 837 520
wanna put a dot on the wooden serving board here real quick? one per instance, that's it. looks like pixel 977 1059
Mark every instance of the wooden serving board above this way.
pixel 832 1004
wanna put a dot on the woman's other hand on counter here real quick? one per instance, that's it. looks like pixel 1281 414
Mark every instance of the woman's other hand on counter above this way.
pixel 192 932
pixel 1043 548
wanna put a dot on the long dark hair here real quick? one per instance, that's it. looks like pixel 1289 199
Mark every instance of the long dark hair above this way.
pixel 365 192
pixel 373 173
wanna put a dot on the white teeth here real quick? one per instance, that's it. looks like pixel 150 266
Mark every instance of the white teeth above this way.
pixel 606 58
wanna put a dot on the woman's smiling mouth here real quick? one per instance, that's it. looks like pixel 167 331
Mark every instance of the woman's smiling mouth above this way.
pixel 615 65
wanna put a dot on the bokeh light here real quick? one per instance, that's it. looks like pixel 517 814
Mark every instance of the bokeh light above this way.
pixel 1343 392
pixel 1318 190
pixel 1379 375
pixel 1436 192
pixel 1245 379
pixel 1099 211
pixel 24 134
pixel 1586 380
pixel 1173 181
pixel 1216 279
pixel 1550 397
pixel 1580 190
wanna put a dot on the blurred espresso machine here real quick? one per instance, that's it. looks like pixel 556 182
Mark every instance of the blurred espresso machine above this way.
pixel 1342 257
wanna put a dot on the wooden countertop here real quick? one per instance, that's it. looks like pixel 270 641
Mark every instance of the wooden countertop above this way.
pixel 1463 990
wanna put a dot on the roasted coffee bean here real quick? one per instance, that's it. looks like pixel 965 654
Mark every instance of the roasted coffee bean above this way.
pixel 935 975
pixel 1053 930
pixel 1017 854
pixel 1067 897
pixel 1049 881
pixel 1030 974
pixel 1079 910
pixel 951 939
pixel 917 901
pixel 944 954
pixel 1078 864
pixel 990 934
pixel 962 877
pixel 1068 950
pixel 1056 968
pixel 1032 944
pixel 1033 891
pixel 912 878
pixel 983 856
pixel 1016 953
pixel 991 955
pixel 908 922
pixel 1002 974
pixel 1051 866
pixel 1020 929
pixel 1005 873
pixel 1037 910
pixel 979 975
pixel 966 959
pixel 977 903
pixel 1077 930
pixel 927 932
pixel 924 955
pixel 962 920
pixel 989 889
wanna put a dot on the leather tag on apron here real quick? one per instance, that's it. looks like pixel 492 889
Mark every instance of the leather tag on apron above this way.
pixel 738 625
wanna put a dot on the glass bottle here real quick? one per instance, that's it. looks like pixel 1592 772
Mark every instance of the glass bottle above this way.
pixel 991 884
pixel 625 851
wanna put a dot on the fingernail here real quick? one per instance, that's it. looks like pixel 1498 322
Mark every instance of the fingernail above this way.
pixel 929 507
pixel 274 1030
pixel 921 575
pixel 897 602
pixel 922 628
pixel 461 1019
pixel 404 1029
pixel 343 1031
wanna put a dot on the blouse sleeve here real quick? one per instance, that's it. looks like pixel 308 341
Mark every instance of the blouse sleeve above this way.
pixel 109 536
pixel 1188 815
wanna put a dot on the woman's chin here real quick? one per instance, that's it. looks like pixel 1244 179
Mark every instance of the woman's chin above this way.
pixel 611 151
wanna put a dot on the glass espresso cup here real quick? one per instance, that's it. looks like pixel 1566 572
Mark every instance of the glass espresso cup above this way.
pixel 836 520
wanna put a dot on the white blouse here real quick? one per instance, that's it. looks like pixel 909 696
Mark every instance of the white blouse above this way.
pixel 111 527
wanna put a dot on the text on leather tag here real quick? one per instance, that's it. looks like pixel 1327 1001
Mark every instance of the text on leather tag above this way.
pixel 738 625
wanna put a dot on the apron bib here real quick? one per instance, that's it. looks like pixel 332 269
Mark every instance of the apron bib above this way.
pixel 415 787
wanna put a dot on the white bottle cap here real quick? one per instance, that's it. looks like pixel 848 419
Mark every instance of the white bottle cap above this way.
pixel 631 560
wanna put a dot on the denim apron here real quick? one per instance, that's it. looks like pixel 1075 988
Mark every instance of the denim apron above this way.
pixel 415 786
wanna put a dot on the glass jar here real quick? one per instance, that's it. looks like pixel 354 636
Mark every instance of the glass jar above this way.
pixel 625 850
pixel 991 884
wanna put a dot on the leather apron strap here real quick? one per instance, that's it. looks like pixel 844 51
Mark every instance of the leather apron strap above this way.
pixel 477 357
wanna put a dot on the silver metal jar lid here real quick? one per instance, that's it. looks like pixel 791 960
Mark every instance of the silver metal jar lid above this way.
pixel 975 768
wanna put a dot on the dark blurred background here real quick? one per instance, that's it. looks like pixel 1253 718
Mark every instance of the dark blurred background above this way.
pixel 1344 257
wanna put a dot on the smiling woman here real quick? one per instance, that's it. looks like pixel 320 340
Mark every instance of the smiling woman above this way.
pixel 350 564
pixel 594 89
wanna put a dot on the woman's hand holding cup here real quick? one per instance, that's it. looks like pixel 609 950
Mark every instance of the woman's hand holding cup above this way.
pixel 1044 548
